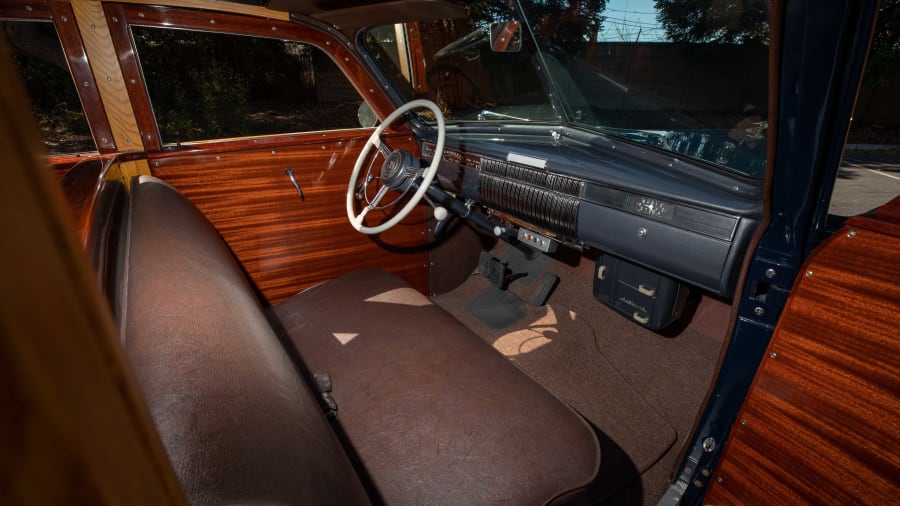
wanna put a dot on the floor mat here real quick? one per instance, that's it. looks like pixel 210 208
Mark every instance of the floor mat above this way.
pixel 495 308
pixel 498 309
pixel 526 270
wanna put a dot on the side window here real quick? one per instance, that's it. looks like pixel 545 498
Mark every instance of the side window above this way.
pixel 37 53
pixel 211 85
pixel 869 175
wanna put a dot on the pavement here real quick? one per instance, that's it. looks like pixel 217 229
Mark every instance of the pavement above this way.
pixel 868 177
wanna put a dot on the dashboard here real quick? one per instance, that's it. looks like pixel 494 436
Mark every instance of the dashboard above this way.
pixel 681 219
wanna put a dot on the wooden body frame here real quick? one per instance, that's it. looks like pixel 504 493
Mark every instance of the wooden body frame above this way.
pixel 820 424
pixel 284 244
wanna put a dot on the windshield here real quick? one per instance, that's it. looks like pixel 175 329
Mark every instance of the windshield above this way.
pixel 688 77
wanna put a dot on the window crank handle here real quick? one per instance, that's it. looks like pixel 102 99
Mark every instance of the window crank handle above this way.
pixel 290 173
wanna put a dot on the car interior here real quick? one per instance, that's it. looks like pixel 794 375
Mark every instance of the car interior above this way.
pixel 428 312
pixel 475 258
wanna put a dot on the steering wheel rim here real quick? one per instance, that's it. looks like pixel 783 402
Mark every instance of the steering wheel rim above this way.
pixel 356 220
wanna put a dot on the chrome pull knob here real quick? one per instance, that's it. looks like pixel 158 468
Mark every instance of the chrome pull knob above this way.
pixel 290 173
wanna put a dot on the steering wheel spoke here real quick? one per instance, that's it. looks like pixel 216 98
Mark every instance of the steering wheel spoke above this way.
pixel 384 149
pixel 377 198
pixel 375 140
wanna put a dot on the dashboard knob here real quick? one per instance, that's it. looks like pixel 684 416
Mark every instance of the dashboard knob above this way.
pixel 440 213
pixel 498 230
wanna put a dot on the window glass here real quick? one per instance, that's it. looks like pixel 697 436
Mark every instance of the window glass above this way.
pixel 869 175
pixel 467 80
pixel 212 85
pixel 37 53
pixel 685 77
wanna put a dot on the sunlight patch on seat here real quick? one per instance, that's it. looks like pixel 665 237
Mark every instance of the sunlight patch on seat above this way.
pixel 404 296
pixel 344 338
pixel 539 333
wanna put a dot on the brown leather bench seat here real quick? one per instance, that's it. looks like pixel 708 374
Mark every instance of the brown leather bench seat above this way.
pixel 427 412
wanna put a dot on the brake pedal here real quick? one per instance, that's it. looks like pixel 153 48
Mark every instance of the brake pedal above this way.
pixel 493 269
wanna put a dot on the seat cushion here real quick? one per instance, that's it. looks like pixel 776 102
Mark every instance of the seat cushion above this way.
pixel 434 413
pixel 234 414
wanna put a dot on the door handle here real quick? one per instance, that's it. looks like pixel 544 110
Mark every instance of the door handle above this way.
pixel 290 173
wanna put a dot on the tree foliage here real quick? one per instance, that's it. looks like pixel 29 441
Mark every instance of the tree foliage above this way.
pixel 716 21
pixel 567 23
pixel 884 57
pixel 54 99
pixel 206 85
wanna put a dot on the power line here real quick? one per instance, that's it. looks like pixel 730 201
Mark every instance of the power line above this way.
pixel 630 12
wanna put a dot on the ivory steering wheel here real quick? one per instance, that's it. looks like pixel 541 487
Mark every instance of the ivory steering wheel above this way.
pixel 394 172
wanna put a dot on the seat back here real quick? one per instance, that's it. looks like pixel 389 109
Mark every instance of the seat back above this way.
pixel 237 419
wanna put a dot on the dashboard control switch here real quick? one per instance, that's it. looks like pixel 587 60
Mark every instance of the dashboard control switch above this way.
pixel 536 240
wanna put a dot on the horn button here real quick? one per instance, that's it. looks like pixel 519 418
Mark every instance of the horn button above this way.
pixel 399 170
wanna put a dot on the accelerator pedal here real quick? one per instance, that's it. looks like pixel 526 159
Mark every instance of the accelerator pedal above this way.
pixel 545 288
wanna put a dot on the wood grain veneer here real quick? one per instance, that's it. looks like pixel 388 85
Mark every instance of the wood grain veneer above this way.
pixel 217 5
pixel 286 244
pixel 62 164
pixel 416 58
pixel 134 78
pixel 80 188
pixel 69 36
pixel 108 75
pixel 16 9
pixel 821 424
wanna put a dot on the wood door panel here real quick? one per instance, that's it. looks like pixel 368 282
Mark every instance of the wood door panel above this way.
pixel 821 424
pixel 286 244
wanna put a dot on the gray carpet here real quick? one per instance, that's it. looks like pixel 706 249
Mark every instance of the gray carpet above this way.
pixel 639 389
